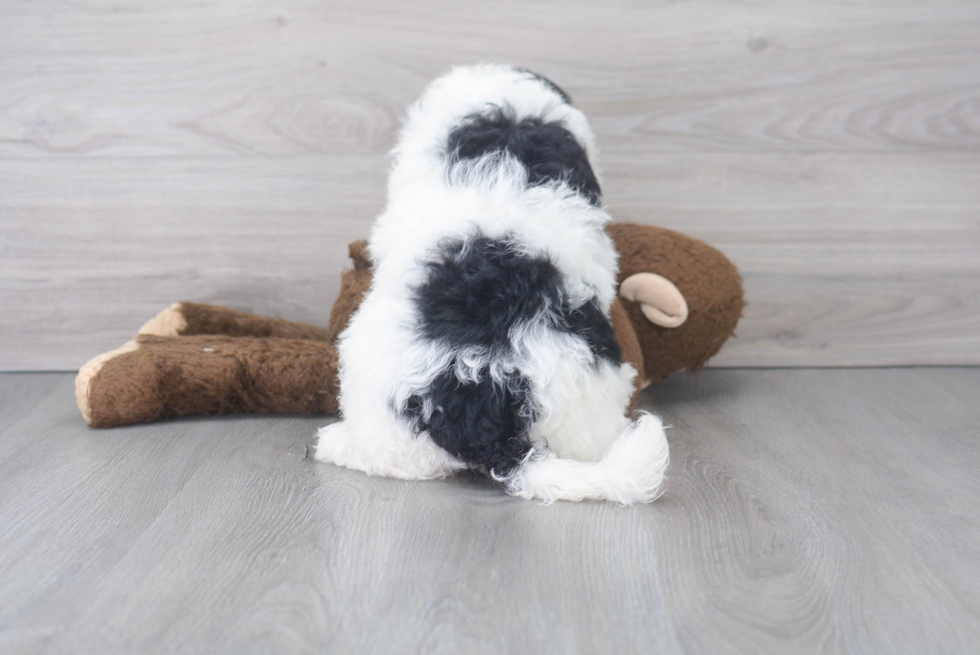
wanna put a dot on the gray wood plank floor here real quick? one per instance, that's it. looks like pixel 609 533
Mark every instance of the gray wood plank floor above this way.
pixel 807 511
pixel 227 151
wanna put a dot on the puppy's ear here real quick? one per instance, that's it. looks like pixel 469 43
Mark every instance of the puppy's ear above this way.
pixel 358 251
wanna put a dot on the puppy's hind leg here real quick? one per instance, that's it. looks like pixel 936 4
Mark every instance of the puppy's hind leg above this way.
pixel 383 447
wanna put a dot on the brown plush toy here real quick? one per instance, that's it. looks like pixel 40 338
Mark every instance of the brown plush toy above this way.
pixel 680 301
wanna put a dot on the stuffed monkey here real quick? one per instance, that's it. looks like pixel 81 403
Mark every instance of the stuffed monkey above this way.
pixel 680 299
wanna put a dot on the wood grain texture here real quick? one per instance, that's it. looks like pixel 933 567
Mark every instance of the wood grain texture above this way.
pixel 226 152
pixel 806 511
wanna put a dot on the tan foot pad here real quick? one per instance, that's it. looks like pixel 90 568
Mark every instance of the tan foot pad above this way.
pixel 83 381
pixel 168 323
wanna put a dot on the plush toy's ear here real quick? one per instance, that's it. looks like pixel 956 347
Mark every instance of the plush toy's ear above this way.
pixel 660 301
pixel 153 378
pixel 707 281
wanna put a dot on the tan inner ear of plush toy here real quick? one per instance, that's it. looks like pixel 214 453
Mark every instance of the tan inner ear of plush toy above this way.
pixel 660 301
pixel 90 370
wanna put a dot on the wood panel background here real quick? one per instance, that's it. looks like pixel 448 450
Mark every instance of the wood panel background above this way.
pixel 227 151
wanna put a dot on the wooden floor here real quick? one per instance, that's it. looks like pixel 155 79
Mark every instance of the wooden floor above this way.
pixel 807 511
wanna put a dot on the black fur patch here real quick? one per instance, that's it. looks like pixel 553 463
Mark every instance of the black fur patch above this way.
pixel 476 291
pixel 590 323
pixel 483 424
pixel 547 150
pixel 551 85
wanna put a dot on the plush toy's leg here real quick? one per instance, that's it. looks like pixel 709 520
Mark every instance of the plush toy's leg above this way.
pixel 191 318
pixel 152 378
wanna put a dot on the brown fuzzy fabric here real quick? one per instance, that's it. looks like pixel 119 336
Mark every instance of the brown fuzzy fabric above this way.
pixel 709 282
pixel 358 252
pixel 353 285
pixel 212 374
pixel 628 345
pixel 211 319
pixel 226 361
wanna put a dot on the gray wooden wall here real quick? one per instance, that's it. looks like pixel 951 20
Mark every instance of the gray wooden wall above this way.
pixel 227 152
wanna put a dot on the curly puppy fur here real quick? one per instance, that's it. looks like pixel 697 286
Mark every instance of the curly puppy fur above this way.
pixel 485 340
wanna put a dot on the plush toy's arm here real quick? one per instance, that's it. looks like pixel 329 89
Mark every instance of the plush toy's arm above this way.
pixel 152 378
pixel 191 319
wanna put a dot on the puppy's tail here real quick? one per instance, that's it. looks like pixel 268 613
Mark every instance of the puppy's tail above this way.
pixel 631 472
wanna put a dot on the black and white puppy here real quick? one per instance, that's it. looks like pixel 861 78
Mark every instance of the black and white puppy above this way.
pixel 485 340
